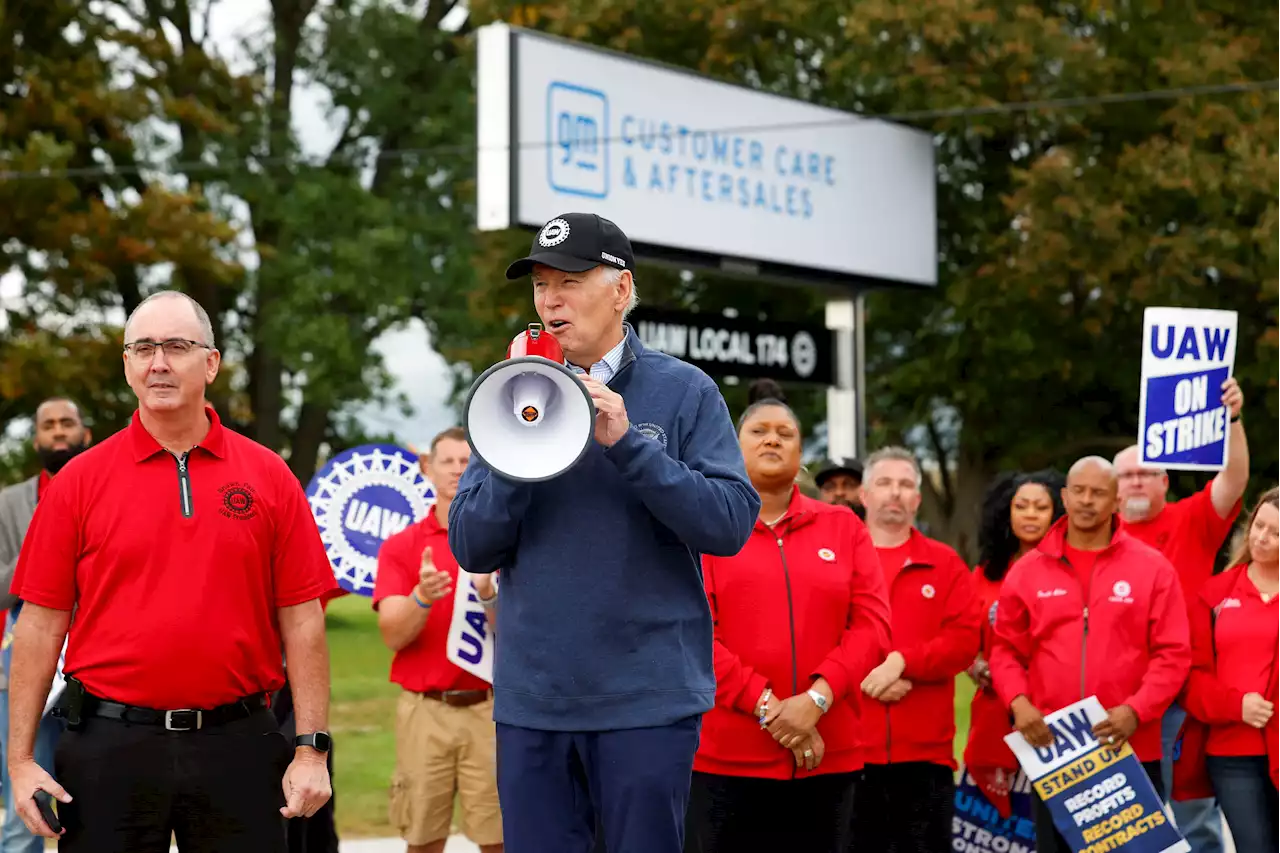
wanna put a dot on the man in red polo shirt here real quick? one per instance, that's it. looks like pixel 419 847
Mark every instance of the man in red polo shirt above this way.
pixel 445 735
pixel 908 710
pixel 1189 533
pixel 191 561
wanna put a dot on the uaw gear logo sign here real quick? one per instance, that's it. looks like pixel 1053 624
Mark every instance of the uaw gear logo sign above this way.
pixel 361 498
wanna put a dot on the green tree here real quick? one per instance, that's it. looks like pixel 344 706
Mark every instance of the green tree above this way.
pixel 83 241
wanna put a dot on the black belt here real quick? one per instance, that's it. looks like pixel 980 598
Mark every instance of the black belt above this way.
pixel 181 720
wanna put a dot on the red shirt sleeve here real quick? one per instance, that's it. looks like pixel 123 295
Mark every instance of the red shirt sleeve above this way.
pixel 953 648
pixel 300 569
pixel 397 566
pixel 1201 516
pixel 1169 645
pixel 865 640
pixel 46 570
pixel 1011 642
pixel 738 686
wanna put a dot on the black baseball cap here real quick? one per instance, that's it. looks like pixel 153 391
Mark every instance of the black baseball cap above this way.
pixel 576 242
pixel 852 467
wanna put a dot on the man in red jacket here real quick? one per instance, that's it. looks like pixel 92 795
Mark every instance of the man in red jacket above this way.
pixel 908 707
pixel 1091 612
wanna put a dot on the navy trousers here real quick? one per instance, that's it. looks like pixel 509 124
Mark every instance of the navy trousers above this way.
pixel 556 788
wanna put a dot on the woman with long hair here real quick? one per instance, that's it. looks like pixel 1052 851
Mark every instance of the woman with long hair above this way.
pixel 800 617
pixel 1017 512
pixel 1230 735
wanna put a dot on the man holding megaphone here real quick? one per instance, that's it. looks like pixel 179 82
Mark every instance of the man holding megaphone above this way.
pixel 606 661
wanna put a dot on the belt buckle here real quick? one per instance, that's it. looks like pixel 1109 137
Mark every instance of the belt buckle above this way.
pixel 196 716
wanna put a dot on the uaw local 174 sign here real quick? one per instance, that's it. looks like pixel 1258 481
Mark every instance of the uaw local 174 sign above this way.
pixel 1187 353
pixel 1100 798
pixel 361 498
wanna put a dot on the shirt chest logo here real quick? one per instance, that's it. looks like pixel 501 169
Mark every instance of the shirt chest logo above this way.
pixel 239 501
pixel 928 591
pixel 1120 593
pixel 1226 604
pixel 653 431
pixel 826 555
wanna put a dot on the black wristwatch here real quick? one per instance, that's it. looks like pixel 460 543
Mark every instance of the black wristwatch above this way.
pixel 319 741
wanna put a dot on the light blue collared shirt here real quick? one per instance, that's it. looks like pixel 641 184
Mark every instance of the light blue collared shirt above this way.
pixel 604 369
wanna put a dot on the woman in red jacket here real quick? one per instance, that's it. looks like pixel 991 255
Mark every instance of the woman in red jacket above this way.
pixel 801 616
pixel 1017 512
pixel 1234 633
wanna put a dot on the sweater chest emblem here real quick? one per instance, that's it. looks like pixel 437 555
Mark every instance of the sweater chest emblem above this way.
pixel 928 591
pixel 826 555
pixel 653 431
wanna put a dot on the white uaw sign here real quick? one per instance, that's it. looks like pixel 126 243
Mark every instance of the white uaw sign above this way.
pixel 725 346
pixel 470 643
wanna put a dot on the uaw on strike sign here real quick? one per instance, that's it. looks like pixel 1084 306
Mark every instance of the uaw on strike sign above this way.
pixel 1101 799
pixel 1187 353
pixel 360 499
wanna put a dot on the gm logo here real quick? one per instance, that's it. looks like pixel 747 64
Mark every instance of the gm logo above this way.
pixel 578 127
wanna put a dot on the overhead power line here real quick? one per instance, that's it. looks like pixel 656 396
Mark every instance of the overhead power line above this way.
pixel 906 117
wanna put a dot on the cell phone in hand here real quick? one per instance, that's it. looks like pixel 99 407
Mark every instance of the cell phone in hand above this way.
pixel 44 802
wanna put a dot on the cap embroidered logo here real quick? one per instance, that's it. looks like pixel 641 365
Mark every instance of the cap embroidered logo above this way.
pixel 553 233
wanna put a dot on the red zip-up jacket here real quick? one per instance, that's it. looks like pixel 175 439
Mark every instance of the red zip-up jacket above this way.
pixel 1125 639
pixel 937 629
pixel 1208 702
pixel 802 601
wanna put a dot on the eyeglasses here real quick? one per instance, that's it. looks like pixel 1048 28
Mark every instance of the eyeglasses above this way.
pixel 173 348
pixel 1140 475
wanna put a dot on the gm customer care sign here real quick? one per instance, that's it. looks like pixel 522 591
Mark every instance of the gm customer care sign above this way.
pixel 1100 798
pixel 1187 354
pixel 686 163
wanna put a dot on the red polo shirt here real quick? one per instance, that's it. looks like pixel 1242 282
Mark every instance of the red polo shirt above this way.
pixel 175 574
pixel 422 665
pixel 1189 533
pixel 1243 648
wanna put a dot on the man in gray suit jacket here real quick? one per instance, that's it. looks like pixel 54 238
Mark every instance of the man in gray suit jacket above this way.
pixel 60 434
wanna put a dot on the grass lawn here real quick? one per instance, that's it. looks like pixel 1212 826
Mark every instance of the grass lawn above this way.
pixel 362 718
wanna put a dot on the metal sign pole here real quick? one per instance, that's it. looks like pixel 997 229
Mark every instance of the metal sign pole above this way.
pixel 860 376
pixel 842 398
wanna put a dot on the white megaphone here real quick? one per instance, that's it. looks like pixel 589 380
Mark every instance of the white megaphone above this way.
pixel 529 418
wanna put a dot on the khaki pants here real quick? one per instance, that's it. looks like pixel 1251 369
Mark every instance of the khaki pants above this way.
pixel 443 751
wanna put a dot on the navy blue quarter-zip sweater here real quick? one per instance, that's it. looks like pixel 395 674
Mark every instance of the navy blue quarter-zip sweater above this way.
pixel 602 619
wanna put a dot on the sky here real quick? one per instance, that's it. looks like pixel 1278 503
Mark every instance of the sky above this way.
pixel 420 373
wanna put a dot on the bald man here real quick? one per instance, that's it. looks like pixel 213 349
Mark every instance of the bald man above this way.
pixel 1091 612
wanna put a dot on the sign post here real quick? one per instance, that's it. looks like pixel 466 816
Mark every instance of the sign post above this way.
pixel 1187 354
pixel 703 173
